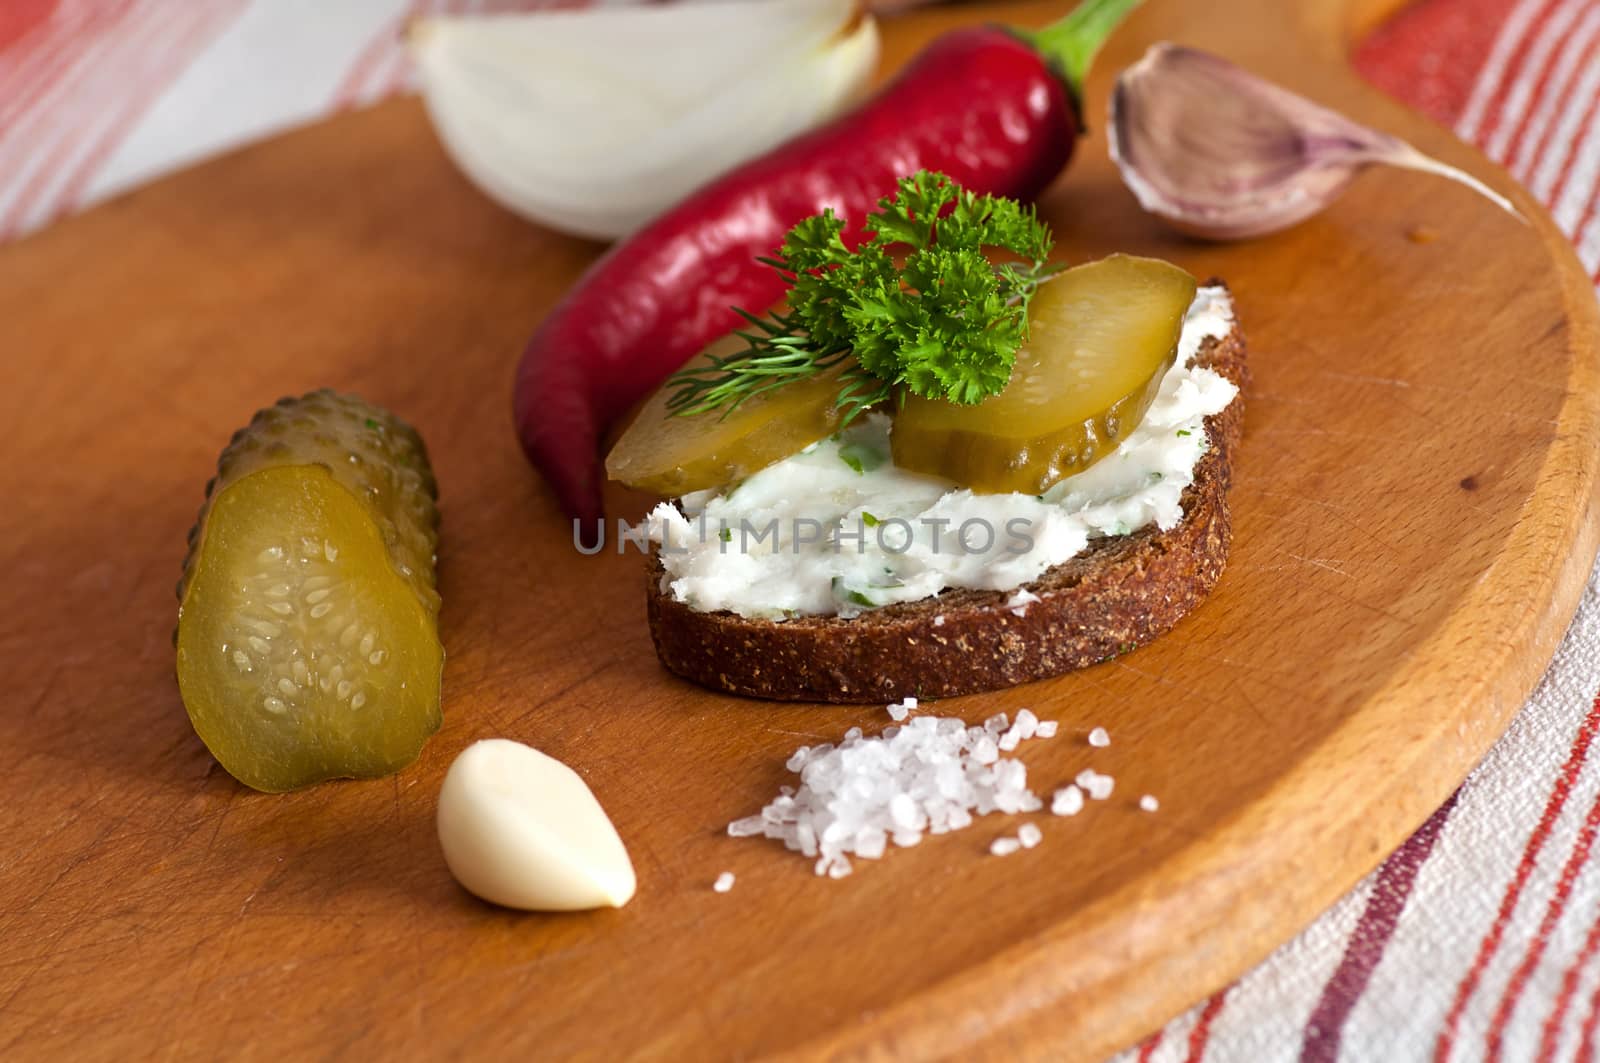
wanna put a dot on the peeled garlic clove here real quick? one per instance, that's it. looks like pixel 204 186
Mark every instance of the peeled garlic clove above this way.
pixel 1222 154
pixel 523 830
pixel 593 121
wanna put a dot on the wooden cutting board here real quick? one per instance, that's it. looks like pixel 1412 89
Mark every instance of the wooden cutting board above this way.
pixel 1414 522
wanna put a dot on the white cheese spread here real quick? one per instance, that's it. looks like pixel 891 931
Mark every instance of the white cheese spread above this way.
pixel 838 529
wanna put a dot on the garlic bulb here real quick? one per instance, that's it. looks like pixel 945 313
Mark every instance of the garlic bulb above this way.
pixel 593 121
pixel 1222 154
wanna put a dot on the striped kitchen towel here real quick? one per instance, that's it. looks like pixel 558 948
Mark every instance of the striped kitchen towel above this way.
pixel 1480 937
pixel 97 96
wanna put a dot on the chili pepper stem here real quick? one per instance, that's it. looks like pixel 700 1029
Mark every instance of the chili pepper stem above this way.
pixel 1072 42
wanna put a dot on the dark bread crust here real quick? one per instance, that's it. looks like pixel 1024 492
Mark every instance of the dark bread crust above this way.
pixel 1118 594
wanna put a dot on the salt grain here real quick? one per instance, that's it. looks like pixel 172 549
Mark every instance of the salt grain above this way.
pixel 903 812
pixel 724 882
pixel 1149 803
pixel 1004 846
pixel 1099 738
pixel 901 709
pixel 1097 786
pixel 1029 835
pixel 1068 801
pixel 925 776
pixel 871 842
pixel 1046 729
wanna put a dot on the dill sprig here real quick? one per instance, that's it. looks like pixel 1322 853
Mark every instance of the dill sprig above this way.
pixel 776 352
pixel 943 322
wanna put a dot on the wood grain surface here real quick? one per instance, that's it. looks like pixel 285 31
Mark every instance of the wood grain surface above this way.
pixel 1413 517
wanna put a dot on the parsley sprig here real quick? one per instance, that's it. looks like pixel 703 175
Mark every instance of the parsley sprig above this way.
pixel 918 308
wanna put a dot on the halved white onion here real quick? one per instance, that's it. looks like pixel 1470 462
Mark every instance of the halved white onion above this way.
pixel 594 121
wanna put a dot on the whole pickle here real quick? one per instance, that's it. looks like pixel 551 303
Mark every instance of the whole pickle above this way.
pixel 307 641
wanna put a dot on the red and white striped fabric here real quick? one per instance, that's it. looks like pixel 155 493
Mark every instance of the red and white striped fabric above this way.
pixel 1480 937
pixel 99 95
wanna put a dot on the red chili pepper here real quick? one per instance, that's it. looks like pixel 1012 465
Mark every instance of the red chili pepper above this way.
pixel 995 109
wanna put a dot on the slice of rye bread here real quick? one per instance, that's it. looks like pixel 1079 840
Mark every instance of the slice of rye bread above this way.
pixel 1120 593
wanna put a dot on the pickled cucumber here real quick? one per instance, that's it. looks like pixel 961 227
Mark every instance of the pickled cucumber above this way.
pixel 1101 336
pixel 672 455
pixel 307 638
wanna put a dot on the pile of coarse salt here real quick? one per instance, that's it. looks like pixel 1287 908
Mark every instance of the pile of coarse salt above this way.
pixel 929 776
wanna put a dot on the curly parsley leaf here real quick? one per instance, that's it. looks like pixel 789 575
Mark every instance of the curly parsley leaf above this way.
pixel 920 307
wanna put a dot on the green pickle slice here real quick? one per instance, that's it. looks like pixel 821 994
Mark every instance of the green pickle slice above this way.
pixel 307 640
pixel 1101 336
pixel 672 455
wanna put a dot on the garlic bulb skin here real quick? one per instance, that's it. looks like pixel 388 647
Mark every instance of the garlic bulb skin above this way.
pixel 1221 154
pixel 593 121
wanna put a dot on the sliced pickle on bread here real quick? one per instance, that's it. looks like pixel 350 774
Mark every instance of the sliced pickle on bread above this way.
pixel 307 639
pixel 1101 337
pixel 673 455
